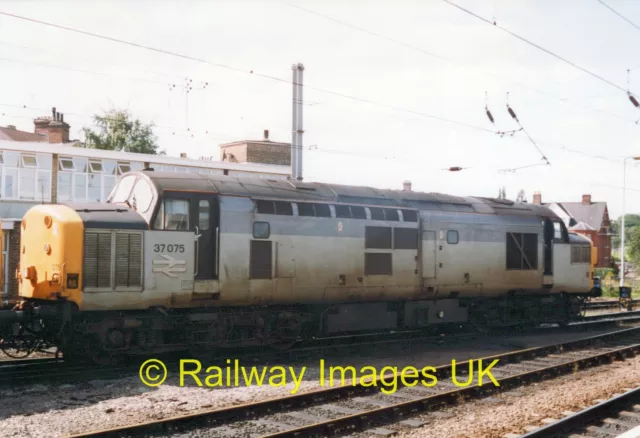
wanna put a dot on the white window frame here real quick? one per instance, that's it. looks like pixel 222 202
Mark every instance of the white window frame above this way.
pixel 122 163
pixel 91 172
pixel 29 166
pixel 98 162
pixel 61 167
pixel 38 169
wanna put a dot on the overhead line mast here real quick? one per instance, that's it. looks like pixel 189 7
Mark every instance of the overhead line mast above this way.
pixel 296 129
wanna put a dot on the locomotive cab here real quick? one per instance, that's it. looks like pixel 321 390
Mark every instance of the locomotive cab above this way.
pixel 186 207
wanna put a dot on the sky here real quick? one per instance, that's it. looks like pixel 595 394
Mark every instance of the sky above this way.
pixel 394 90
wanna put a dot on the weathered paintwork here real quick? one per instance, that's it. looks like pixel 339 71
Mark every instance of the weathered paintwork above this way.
pixel 315 259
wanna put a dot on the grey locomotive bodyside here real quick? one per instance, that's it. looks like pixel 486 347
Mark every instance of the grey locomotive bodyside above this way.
pixel 185 260
pixel 322 259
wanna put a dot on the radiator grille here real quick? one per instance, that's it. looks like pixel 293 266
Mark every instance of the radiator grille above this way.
pixel 99 263
pixel 128 260
pixel 97 260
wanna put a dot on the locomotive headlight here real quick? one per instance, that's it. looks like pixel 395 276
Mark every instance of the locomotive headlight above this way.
pixel 55 278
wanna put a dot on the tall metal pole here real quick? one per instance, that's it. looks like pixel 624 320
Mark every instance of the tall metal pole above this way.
pixel 299 119
pixel 624 191
pixel 294 124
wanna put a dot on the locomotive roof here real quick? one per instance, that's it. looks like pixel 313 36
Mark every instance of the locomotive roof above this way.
pixel 264 188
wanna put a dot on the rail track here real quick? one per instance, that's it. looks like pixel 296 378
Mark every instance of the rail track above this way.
pixel 608 304
pixel 618 416
pixel 51 370
pixel 361 406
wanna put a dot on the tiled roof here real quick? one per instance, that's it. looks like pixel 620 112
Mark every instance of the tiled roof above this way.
pixel 591 214
pixel 13 134
pixel 581 226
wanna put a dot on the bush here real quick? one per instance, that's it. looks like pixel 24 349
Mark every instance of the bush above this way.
pixel 602 273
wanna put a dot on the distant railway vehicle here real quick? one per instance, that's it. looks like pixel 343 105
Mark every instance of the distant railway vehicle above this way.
pixel 179 261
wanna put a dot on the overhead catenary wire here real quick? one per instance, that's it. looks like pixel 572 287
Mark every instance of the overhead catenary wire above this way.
pixel 455 62
pixel 77 70
pixel 277 79
pixel 92 60
pixel 618 14
pixel 515 117
pixel 176 132
pixel 537 46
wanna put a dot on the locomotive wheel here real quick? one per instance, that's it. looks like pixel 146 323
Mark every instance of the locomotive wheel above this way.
pixel 96 352
pixel 90 349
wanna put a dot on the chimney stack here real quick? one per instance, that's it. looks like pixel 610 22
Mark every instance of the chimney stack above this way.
pixel 406 186
pixel 537 198
pixel 266 135
pixel 54 127
pixel 183 155
pixel 586 199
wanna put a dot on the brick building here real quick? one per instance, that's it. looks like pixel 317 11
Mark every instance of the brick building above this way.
pixel 588 218
pixel 257 151
pixel 44 167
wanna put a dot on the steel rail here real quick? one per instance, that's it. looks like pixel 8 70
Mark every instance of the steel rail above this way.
pixel 33 370
pixel 595 305
pixel 394 412
pixel 581 420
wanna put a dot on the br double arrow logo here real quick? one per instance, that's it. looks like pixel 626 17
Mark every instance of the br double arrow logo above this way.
pixel 170 266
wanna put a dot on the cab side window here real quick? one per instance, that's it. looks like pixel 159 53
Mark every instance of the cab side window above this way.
pixel 176 214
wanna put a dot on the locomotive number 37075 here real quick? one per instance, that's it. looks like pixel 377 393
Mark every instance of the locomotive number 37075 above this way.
pixel 161 247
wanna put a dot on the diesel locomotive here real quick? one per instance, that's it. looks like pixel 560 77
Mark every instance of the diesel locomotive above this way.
pixel 180 261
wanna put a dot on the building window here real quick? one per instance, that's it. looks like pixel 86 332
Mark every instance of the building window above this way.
pixel 123 168
pixel 25 176
pixel 89 180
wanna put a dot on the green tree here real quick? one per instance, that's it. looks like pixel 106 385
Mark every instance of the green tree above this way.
pixel 631 222
pixel 118 131
pixel 633 247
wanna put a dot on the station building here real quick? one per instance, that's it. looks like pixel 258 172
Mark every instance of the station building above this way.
pixel 44 166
